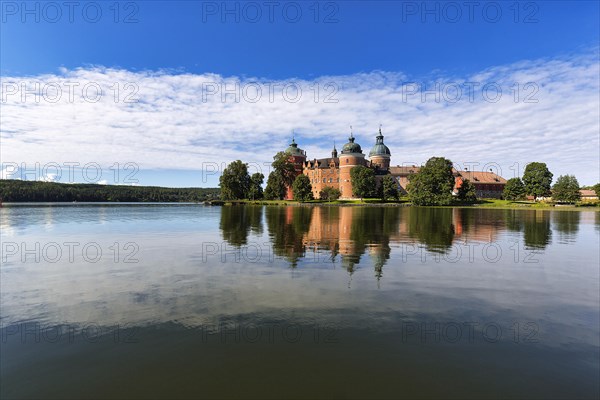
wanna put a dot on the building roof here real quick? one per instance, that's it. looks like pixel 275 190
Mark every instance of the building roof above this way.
pixel 323 162
pixel 405 170
pixel 379 149
pixel 351 147
pixel 481 177
pixel 588 193
pixel 293 149
pixel 476 177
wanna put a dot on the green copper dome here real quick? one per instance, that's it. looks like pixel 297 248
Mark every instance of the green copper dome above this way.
pixel 293 149
pixel 379 149
pixel 351 147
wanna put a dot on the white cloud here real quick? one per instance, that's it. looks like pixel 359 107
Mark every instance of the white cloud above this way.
pixel 48 178
pixel 171 127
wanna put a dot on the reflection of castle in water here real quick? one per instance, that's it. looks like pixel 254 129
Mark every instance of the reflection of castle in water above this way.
pixel 346 234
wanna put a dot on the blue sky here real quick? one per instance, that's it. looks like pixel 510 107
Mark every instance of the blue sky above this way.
pixel 174 52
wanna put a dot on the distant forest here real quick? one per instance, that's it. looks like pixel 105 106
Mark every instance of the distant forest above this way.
pixel 17 191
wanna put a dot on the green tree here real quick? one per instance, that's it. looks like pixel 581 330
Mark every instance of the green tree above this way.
pixel 284 168
pixel 329 193
pixel 566 189
pixel 235 181
pixel 302 189
pixel 256 191
pixel 596 189
pixel 34 191
pixel 363 181
pixel 537 179
pixel 514 189
pixel 390 188
pixel 275 189
pixel 466 192
pixel 433 184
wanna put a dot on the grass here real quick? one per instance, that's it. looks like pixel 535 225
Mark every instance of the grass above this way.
pixel 497 203
pixel 482 203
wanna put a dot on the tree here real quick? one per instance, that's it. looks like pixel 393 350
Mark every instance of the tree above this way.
pixel 235 181
pixel 363 181
pixel 433 184
pixel 275 189
pixel 302 188
pixel 596 189
pixel 466 192
pixel 537 179
pixel 256 191
pixel 390 188
pixel 329 193
pixel 284 168
pixel 566 189
pixel 514 189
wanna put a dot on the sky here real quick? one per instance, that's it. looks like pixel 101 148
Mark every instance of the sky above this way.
pixel 157 93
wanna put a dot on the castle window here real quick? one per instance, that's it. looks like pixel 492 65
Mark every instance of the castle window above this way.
pixel 324 180
pixel 329 180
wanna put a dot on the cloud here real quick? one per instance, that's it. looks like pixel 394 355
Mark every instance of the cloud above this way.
pixel 48 178
pixel 548 111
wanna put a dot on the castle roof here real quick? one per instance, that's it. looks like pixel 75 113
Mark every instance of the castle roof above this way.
pixel 294 150
pixel 480 177
pixel 323 162
pixel 473 176
pixel 379 149
pixel 351 147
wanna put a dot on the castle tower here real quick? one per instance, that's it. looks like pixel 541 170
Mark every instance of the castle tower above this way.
pixel 334 152
pixel 297 157
pixel 351 156
pixel 380 153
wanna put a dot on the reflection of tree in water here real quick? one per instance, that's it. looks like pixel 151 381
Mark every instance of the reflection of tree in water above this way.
pixel 370 231
pixel 536 232
pixel 566 223
pixel 287 226
pixel 238 220
pixel 432 227
pixel 513 220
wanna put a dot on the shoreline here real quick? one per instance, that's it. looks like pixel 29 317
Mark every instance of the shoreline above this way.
pixel 485 204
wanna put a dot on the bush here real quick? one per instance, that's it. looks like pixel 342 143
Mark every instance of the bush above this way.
pixel 329 193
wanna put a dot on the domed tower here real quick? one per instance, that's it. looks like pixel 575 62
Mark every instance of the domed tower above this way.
pixel 380 153
pixel 297 157
pixel 350 157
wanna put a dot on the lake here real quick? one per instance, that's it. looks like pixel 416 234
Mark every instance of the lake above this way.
pixel 164 301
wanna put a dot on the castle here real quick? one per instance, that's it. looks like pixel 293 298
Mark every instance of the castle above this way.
pixel 334 171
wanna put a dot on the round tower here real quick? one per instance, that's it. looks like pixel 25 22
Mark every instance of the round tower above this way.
pixel 380 153
pixel 351 156
pixel 297 157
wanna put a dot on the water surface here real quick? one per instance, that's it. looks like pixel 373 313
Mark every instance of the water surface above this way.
pixel 293 302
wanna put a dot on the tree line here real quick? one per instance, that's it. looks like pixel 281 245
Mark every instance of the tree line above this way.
pixel 537 182
pixel 12 190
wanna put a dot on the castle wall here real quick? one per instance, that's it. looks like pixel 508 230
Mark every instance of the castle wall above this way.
pixel 298 161
pixel 322 177
pixel 347 162
pixel 381 161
